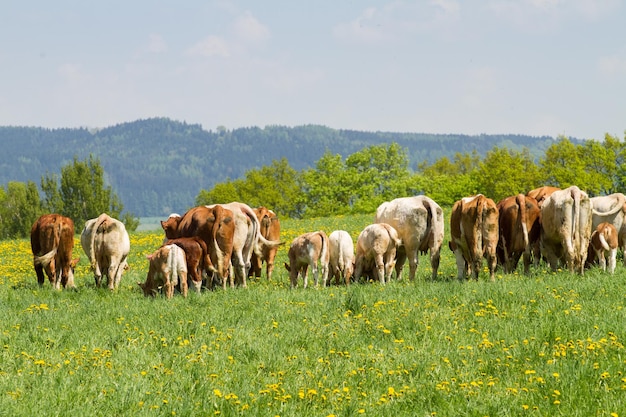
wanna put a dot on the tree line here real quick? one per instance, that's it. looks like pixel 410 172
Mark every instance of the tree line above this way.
pixel 356 184
pixel 157 165
pixel 363 180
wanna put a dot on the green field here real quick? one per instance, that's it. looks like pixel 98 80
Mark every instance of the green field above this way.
pixel 547 344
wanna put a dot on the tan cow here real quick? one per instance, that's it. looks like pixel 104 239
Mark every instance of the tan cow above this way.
pixel 420 226
pixel 52 242
pixel 473 235
pixel 106 243
pixel 341 259
pixel 376 249
pixel 604 244
pixel 215 226
pixel 519 231
pixel 270 230
pixel 541 193
pixel 566 229
pixel 308 250
pixel 167 269
pixel 612 209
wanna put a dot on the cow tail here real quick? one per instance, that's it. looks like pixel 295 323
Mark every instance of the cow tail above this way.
pixel 603 242
pixel 480 205
pixel 521 203
pixel 576 219
pixel 94 231
pixel 45 259
pixel 324 250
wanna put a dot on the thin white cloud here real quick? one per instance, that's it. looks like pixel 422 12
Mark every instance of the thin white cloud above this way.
pixel 613 65
pixel 250 30
pixel 366 27
pixel 209 47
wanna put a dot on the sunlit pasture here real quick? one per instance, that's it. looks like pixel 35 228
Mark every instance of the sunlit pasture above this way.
pixel 546 344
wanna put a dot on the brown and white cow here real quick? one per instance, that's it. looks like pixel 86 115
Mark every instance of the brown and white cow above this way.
pixel 270 230
pixel 309 250
pixel 612 209
pixel 376 249
pixel 215 226
pixel 52 242
pixel 106 243
pixel 541 193
pixel 197 259
pixel 474 234
pixel 519 222
pixel 341 259
pixel 566 228
pixel 420 226
pixel 167 269
pixel 604 244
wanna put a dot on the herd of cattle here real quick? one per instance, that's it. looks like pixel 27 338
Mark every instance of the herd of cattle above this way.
pixel 226 243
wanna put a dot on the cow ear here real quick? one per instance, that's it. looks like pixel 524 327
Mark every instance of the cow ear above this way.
pixel 149 256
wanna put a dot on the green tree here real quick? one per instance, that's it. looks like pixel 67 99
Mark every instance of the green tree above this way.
pixel 562 165
pixel 327 188
pixel 504 173
pixel 82 194
pixel 20 206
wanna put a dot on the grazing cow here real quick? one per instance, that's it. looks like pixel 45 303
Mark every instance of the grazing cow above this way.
pixel 376 249
pixel 419 223
pixel 566 228
pixel 612 209
pixel 167 269
pixel 308 250
pixel 519 231
pixel 106 244
pixel 540 194
pixel 52 242
pixel 197 260
pixel 604 244
pixel 270 230
pixel 215 226
pixel 474 235
pixel 341 259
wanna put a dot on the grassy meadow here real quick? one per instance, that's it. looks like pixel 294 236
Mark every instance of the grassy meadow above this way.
pixel 547 344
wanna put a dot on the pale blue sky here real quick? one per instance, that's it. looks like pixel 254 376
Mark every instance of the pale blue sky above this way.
pixel 538 67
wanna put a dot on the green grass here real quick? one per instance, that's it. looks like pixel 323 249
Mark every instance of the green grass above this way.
pixel 544 345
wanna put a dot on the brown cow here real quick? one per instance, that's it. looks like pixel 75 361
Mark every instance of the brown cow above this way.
pixel 308 250
pixel 197 259
pixel 541 193
pixel 167 269
pixel 270 230
pixel 604 242
pixel 519 231
pixel 215 226
pixel 612 209
pixel 376 249
pixel 566 218
pixel 474 235
pixel 52 242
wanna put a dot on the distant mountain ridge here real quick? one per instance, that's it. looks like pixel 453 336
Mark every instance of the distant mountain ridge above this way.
pixel 157 166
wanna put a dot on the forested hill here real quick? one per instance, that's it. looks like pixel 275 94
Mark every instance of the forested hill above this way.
pixel 158 166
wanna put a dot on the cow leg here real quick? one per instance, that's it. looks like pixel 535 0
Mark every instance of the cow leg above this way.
pixel 461 265
pixel 305 276
pixel 40 276
pixel 400 260
pixel 380 269
pixel 324 274
pixel 269 267
pixel 492 262
pixel 612 260
pixel 601 259
pixel 435 258
pixel 182 278
pixel 240 269
pixel 413 256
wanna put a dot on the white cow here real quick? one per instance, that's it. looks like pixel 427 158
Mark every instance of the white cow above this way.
pixel 420 226
pixel 566 228
pixel 376 252
pixel 341 262
pixel 611 209
pixel 106 244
